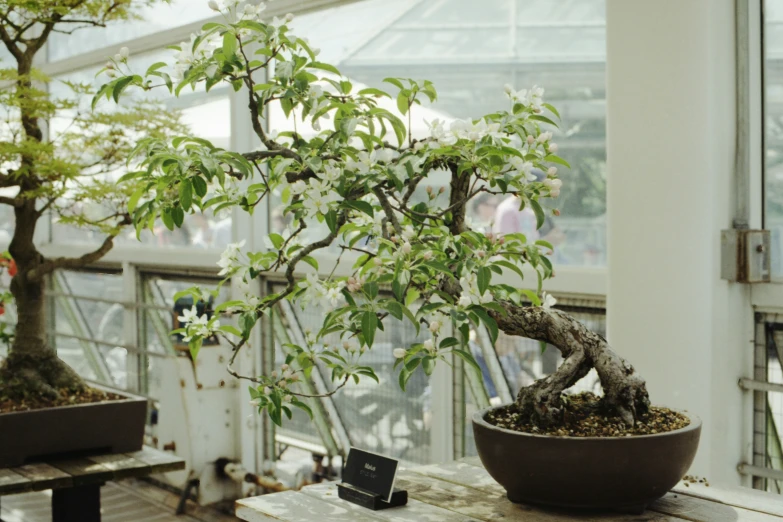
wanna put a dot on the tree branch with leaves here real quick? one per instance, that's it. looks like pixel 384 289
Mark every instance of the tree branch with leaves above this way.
pixel 354 178
pixel 74 165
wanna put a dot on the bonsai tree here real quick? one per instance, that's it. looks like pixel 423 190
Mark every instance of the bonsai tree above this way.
pixel 353 180
pixel 58 158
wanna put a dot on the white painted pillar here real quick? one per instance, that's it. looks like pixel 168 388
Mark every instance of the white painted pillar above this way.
pixel 671 141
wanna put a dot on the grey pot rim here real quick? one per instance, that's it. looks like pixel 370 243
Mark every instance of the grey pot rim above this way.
pixel 478 419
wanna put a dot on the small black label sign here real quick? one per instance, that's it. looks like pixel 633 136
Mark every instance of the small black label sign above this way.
pixel 371 472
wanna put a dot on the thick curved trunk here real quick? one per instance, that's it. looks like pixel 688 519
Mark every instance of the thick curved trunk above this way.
pixel 625 392
pixel 32 368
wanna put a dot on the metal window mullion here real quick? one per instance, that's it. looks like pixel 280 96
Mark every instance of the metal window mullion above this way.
pixel 133 361
pixel 80 325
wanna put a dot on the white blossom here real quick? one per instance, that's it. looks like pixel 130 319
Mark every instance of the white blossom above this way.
pixel 399 353
pixel 188 316
pixel 547 301
pixel 429 345
pixel 435 326
pixel 534 97
pixel 553 148
pixel 544 137
pixel 408 232
pixel 213 5
pixel 554 186
pixel 317 202
pixel 298 187
pixel 470 289
pixel 230 258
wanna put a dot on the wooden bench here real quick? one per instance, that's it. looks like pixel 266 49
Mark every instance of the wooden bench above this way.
pixel 76 483
pixel 464 492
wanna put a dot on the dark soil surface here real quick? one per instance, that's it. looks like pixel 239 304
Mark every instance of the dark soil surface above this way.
pixel 65 399
pixel 585 416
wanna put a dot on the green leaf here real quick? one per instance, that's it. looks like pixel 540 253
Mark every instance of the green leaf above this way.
pixel 194 345
pixel 331 220
pixel 302 406
pixel 178 216
pixel 468 358
pixel 490 323
pixel 134 199
pixel 448 342
pixel 542 345
pixel 484 277
pixel 557 159
pixel 361 206
pixel 277 240
pixel 165 216
pixel 186 194
pixel 310 260
pixel 428 363
pixel 371 91
pixel 551 109
pixel 369 324
pixel 540 216
pixel 229 44
pixel 395 82
pixel 200 186
pixel 121 85
pixel 230 329
pixel 402 103
pixel 324 67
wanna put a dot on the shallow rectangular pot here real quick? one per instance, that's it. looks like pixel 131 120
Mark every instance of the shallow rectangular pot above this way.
pixel 78 430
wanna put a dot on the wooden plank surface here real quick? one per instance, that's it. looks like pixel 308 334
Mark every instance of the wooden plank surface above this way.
pixel 12 482
pixel 695 502
pixel 413 511
pixel 43 476
pixel 746 498
pixel 159 461
pixel 487 506
pixel 463 491
pixel 87 470
pixel 123 466
pixel 293 506
pixel 84 471
pixel 699 510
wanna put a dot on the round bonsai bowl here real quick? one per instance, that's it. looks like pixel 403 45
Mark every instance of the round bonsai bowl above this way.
pixel 617 473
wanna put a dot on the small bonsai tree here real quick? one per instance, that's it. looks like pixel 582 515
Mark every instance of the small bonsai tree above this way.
pixel 57 158
pixel 362 185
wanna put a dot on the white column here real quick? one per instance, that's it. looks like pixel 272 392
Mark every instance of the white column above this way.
pixel 671 141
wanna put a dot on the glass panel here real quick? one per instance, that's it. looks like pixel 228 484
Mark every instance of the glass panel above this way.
pixel 7 221
pixel 378 417
pixel 207 115
pixel 153 19
pixel 470 52
pixel 89 327
pixel 773 100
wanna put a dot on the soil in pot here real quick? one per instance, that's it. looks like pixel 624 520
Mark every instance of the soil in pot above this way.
pixel 586 416
pixel 90 395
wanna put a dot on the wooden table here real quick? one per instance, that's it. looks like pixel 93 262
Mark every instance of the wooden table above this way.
pixel 464 492
pixel 76 483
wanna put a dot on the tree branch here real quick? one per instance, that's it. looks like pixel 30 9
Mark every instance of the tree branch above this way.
pixel 14 202
pixel 70 263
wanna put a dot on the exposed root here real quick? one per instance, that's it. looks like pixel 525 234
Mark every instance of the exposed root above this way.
pixel 38 373
pixel 625 392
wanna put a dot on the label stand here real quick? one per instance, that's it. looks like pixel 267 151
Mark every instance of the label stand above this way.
pixel 370 500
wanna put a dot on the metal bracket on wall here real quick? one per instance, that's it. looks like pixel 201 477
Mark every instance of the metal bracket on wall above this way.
pixel 745 255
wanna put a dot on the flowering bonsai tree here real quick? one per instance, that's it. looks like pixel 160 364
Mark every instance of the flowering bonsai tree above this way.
pixel 362 185
pixel 57 158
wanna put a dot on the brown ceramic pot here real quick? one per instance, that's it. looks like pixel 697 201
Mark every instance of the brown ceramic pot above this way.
pixel 77 430
pixel 625 473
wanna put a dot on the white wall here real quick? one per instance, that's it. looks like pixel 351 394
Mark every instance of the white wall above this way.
pixel 671 142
